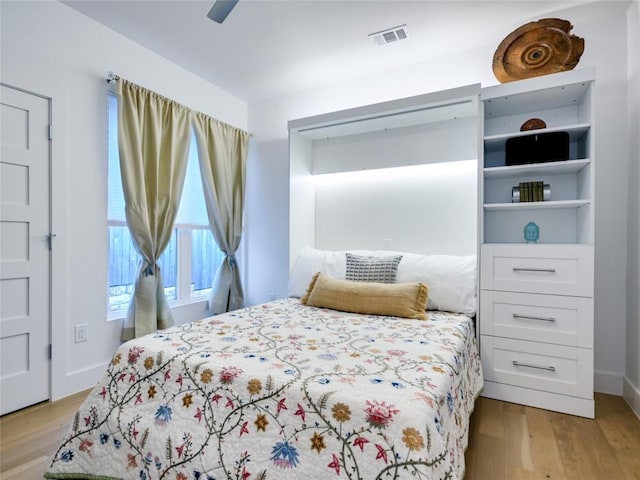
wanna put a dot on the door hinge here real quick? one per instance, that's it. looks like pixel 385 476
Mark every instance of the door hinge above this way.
pixel 50 132
pixel 50 240
pixel 50 351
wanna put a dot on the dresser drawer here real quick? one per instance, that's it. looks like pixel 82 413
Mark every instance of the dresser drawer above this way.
pixel 539 268
pixel 541 318
pixel 540 366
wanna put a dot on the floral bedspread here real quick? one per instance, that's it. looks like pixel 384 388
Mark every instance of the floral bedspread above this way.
pixel 282 391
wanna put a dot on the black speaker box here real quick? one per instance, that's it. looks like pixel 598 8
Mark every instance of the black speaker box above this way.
pixel 537 148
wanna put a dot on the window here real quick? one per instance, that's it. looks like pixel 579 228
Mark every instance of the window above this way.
pixel 192 257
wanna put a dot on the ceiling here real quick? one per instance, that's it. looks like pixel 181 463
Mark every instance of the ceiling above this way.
pixel 268 48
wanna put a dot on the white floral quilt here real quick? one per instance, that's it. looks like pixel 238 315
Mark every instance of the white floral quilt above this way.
pixel 282 391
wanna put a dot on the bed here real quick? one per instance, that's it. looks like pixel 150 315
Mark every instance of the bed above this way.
pixel 282 390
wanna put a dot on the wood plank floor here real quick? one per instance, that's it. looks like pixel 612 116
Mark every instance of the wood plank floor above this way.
pixel 514 442
pixel 506 442
pixel 29 437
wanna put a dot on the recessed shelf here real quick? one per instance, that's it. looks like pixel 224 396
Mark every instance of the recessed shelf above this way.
pixel 537 94
pixel 553 204
pixel 568 166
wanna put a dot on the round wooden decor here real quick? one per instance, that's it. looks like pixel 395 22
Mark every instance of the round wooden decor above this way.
pixel 533 124
pixel 537 48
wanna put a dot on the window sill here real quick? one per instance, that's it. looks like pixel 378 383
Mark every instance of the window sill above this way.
pixel 176 306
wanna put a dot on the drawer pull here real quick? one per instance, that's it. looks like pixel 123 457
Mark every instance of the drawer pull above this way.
pixel 527 269
pixel 539 367
pixel 533 317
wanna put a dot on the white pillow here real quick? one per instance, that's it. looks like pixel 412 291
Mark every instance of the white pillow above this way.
pixel 311 261
pixel 451 279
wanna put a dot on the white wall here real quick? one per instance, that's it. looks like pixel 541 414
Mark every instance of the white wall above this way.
pixel 603 25
pixel 605 48
pixel 632 377
pixel 53 50
pixel 408 209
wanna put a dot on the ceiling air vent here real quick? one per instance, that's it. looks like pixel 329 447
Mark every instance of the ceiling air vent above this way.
pixel 390 35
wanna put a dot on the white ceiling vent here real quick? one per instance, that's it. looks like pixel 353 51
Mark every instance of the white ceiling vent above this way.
pixel 390 35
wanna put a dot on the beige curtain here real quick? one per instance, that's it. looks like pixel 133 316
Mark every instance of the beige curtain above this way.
pixel 222 150
pixel 153 141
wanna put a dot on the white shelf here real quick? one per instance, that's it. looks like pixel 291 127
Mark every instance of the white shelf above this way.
pixel 568 166
pixel 554 204
pixel 497 142
pixel 540 93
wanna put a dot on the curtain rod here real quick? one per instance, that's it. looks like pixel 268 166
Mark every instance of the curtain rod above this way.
pixel 112 77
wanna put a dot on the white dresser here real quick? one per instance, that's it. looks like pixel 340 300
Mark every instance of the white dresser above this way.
pixel 536 311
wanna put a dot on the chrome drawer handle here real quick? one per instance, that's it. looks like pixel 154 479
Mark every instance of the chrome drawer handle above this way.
pixel 533 317
pixel 539 367
pixel 525 269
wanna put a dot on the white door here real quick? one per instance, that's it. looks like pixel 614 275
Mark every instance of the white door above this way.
pixel 24 249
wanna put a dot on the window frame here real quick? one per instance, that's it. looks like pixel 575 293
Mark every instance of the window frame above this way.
pixel 184 239
pixel 184 266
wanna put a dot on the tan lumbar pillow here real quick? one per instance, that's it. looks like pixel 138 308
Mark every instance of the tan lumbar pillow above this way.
pixel 408 300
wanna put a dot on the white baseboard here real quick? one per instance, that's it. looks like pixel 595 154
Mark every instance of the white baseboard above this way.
pixel 535 398
pixel 608 382
pixel 79 380
pixel 631 394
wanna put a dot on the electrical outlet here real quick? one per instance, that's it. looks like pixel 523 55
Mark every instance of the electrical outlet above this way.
pixel 82 332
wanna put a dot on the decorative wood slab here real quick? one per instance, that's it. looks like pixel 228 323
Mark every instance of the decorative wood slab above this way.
pixel 537 48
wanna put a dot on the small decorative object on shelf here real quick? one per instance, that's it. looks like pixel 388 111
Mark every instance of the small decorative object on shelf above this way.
pixel 537 48
pixel 531 232
pixel 531 192
pixel 533 124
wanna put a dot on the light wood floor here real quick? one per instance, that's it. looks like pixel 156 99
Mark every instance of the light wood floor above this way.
pixel 513 442
pixel 507 441
pixel 29 437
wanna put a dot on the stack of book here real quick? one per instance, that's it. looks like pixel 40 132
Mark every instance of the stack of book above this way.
pixel 530 192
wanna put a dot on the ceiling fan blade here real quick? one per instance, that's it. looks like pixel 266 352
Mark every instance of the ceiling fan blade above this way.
pixel 220 10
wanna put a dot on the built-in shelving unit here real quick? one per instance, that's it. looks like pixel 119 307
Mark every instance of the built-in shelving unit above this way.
pixel 568 216
pixel 360 177
pixel 536 299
